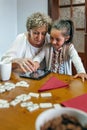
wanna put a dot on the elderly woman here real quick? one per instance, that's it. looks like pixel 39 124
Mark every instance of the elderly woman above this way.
pixel 27 45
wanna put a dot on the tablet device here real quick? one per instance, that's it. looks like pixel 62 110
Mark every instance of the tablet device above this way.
pixel 35 75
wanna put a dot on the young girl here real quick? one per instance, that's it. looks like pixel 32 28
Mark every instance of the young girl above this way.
pixel 60 52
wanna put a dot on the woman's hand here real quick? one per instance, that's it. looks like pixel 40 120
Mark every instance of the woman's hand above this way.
pixel 83 76
pixel 23 65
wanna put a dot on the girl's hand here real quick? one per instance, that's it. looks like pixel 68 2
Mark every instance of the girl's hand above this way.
pixel 83 76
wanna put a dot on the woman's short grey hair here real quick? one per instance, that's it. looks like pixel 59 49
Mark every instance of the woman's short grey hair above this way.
pixel 37 20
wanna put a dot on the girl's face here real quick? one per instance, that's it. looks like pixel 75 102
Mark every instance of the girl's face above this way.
pixel 56 38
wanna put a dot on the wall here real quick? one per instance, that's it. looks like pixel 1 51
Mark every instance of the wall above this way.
pixel 13 15
pixel 26 8
pixel 8 23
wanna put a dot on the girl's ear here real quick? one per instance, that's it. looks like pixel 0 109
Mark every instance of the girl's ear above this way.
pixel 67 38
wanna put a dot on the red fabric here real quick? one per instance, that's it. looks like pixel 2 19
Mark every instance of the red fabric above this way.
pixel 53 83
pixel 79 102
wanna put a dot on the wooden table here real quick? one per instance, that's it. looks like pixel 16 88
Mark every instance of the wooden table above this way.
pixel 18 118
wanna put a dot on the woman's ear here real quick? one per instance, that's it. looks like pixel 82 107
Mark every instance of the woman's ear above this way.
pixel 67 38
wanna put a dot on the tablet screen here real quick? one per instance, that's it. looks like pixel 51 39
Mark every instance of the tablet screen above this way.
pixel 36 75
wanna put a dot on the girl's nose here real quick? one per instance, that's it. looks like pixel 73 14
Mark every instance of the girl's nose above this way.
pixel 54 41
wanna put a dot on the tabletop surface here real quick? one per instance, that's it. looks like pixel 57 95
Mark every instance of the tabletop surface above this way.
pixel 18 118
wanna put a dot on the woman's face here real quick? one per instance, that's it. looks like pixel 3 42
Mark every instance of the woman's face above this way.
pixel 56 38
pixel 37 36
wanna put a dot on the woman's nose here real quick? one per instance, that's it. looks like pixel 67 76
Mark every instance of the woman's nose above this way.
pixel 40 37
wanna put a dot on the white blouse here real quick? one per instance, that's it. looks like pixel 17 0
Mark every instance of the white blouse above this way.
pixel 21 48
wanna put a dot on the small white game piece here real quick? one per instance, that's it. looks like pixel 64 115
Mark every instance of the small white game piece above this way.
pixel 34 94
pixel 23 97
pixel 4 103
pixel 57 105
pixel 22 84
pixel 26 104
pixel 45 105
pixel 14 102
pixel 46 94
pixel 33 107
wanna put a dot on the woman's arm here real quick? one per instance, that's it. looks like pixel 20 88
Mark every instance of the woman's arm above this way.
pixel 15 50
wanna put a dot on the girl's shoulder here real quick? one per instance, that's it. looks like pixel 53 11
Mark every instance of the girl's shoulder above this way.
pixel 68 46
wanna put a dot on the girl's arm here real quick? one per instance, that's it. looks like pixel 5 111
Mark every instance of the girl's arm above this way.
pixel 77 63
pixel 76 60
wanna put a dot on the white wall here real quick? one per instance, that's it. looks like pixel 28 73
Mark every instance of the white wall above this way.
pixel 13 16
pixel 26 8
pixel 8 23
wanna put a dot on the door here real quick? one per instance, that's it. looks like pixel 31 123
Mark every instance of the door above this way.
pixel 77 11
